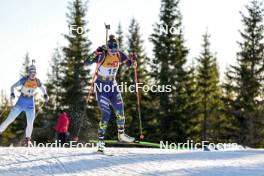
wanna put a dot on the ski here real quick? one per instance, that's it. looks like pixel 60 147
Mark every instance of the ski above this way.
pixel 106 153
pixel 136 143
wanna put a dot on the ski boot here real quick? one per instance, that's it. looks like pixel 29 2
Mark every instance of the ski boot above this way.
pixel 27 142
pixel 101 146
pixel 123 137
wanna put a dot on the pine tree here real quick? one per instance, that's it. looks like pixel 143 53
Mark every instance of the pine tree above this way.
pixel 135 45
pixel 51 109
pixel 229 97
pixel 53 84
pixel 193 124
pixel 247 77
pixel 168 69
pixel 120 37
pixel 26 64
pixel 76 75
pixel 122 68
pixel 210 104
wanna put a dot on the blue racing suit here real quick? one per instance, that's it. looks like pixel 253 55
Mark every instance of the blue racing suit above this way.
pixel 25 103
pixel 106 75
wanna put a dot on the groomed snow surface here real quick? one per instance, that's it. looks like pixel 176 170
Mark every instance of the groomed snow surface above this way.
pixel 23 161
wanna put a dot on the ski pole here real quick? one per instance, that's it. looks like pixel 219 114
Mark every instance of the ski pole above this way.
pixel 93 79
pixel 107 27
pixel 40 109
pixel 138 102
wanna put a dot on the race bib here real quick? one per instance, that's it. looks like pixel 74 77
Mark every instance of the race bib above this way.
pixel 29 87
pixel 109 67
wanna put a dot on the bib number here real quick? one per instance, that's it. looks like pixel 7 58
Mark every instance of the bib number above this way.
pixel 112 71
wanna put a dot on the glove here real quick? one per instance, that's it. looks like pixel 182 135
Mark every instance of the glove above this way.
pixel 90 58
pixel 133 56
pixel 101 49
pixel 12 96
pixel 46 98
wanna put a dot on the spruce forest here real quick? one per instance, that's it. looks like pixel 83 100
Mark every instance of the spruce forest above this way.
pixel 202 106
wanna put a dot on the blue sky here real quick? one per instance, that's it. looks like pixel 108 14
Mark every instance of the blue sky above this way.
pixel 37 27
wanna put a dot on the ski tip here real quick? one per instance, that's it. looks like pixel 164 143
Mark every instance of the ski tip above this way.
pixel 104 153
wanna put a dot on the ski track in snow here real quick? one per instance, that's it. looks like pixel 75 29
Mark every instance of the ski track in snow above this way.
pixel 21 161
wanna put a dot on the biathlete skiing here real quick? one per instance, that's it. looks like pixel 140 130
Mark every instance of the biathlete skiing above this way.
pixel 108 59
pixel 25 102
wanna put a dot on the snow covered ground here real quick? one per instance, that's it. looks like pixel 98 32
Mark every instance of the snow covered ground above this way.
pixel 129 161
